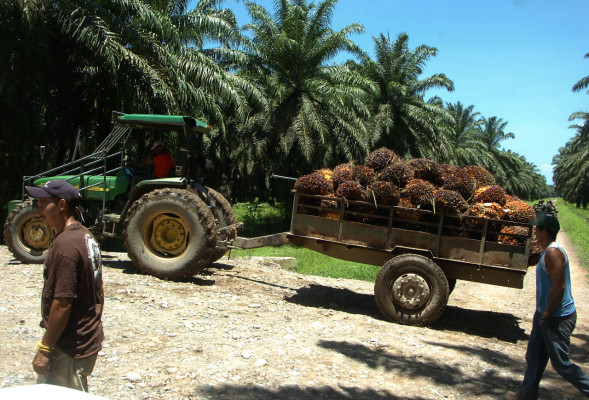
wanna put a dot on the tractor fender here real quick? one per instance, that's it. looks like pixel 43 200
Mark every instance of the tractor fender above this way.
pixel 149 185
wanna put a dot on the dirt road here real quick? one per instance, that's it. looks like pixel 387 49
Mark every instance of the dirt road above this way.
pixel 248 329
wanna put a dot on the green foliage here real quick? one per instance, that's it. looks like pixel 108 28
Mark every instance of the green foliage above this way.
pixel 316 111
pixel 571 172
pixel 575 222
pixel 476 140
pixel 401 118
pixel 261 219
pixel 276 99
pixel 65 65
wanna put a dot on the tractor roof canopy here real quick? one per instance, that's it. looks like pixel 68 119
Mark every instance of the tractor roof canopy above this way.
pixel 162 122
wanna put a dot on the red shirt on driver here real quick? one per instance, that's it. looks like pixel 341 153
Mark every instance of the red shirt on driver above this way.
pixel 162 164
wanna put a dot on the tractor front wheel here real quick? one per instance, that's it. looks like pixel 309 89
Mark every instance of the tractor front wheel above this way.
pixel 27 235
pixel 170 233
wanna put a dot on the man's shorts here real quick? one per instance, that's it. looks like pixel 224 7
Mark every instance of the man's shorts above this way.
pixel 69 372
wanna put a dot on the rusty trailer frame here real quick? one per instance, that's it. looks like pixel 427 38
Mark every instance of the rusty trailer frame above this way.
pixel 464 247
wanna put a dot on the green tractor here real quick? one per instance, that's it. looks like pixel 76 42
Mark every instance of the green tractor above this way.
pixel 173 227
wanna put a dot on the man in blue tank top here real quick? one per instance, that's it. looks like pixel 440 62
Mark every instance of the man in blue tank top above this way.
pixel 555 316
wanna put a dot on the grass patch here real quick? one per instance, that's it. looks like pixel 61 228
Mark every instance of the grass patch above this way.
pixel 263 219
pixel 312 263
pixel 575 222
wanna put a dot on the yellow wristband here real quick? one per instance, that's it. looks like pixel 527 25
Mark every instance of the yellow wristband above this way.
pixel 43 348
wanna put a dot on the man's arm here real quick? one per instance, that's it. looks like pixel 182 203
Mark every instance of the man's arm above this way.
pixel 554 261
pixel 59 316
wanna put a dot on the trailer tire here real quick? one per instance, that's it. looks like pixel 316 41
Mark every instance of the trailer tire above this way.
pixel 224 216
pixel 26 235
pixel 411 289
pixel 170 233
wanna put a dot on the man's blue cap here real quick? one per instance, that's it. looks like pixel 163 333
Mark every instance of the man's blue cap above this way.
pixel 57 189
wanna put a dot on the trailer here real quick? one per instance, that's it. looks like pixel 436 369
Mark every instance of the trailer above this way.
pixel 422 252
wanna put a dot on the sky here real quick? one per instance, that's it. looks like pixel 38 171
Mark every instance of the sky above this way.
pixel 514 59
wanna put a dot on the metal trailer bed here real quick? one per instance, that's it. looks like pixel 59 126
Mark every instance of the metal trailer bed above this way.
pixel 422 253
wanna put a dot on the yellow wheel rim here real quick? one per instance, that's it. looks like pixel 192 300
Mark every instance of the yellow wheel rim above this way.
pixel 36 234
pixel 169 234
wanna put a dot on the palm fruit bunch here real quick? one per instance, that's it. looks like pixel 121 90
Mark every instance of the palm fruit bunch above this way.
pixel 330 208
pixel 405 202
pixel 351 190
pixel 519 240
pixel 487 211
pixel 342 173
pixel 398 173
pixel 481 176
pixel 427 170
pixel 382 193
pixel 425 184
pixel 379 159
pixel 315 183
pixel 448 170
pixel 449 201
pixel 519 211
pixel 363 174
pixel 461 182
pixel 327 173
pixel 420 192
pixel 490 194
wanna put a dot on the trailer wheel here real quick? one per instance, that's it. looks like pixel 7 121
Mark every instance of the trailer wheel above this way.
pixel 27 235
pixel 411 289
pixel 224 216
pixel 170 233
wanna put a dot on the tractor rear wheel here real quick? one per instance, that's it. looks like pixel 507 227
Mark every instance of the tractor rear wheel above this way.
pixel 224 216
pixel 170 233
pixel 27 235
pixel 411 289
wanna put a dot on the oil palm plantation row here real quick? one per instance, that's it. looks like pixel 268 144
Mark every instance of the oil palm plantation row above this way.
pixel 571 171
pixel 277 99
pixel 471 139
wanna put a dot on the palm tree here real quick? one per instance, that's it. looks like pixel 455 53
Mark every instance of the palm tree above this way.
pixel 571 172
pixel 462 145
pixel 65 64
pixel 402 119
pixel 512 171
pixel 316 110
pixel 583 83
pixel 492 133
pixel 523 179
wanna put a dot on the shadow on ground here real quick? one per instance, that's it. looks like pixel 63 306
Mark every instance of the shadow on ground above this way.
pixel 201 279
pixel 344 300
pixel 579 352
pixel 486 377
pixel 487 324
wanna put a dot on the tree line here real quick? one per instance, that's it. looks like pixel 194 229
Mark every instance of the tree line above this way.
pixel 571 164
pixel 276 99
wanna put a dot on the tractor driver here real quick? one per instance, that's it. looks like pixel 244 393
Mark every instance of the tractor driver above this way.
pixel 159 160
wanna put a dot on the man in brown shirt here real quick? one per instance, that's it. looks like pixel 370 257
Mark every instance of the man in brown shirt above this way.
pixel 73 297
